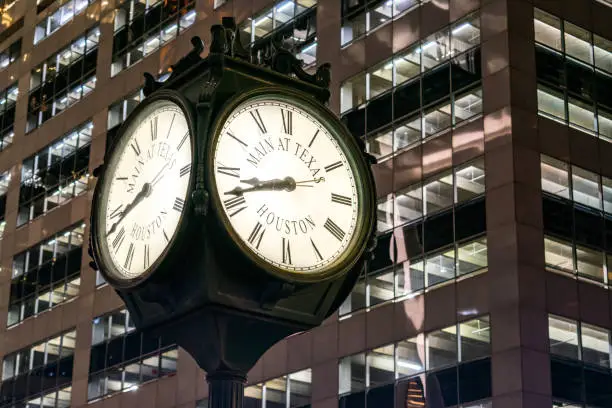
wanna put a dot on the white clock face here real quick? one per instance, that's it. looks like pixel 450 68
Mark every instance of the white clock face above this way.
pixel 286 186
pixel 145 189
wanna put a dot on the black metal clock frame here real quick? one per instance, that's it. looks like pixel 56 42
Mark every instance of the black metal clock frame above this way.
pixel 207 294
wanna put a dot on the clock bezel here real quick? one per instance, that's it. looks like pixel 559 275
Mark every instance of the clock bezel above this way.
pixel 104 264
pixel 364 183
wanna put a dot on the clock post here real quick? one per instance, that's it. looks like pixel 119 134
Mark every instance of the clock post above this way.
pixel 258 232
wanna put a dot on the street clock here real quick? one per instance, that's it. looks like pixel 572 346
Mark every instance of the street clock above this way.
pixel 233 207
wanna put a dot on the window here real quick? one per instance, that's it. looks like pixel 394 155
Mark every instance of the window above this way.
pixel 366 16
pixel 63 79
pixel 465 183
pixel 46 275
pixel 571 63
pixel 8 100
pixel 55 174
pixel 457 361
pixel 290 391
pixel 10 54
pixel 415 95
pixel 120 110
pixel 291 23
pixel 579 341
pixel 558 254
pixel 555 177
pixel 111 325
pixel 123 358
pixel 580 362
pixel 547 29
pixel 52 360
pixel 142 27
pixel 587 188
pixel 59 18
pixel 5 179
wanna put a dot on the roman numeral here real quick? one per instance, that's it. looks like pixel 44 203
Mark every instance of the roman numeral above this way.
pixel 171 123
pixel 166 235
pixel 333 166
pixel 135 146
pixel 129 257
pixel 182 141
pixel 229 171
pixel 256 235
pixel 235 202
pixel 236 139
pixel 178 204
pixel 119 239
pixel 257 118
pixel 340 199
pixel 121 178
pixel 317 253
pixel 313 138
pixel 116 212
pixel 185 170
pixel 154 128
pixel 287 121
pixel 147 259
pixel 334 229
pixel 286 252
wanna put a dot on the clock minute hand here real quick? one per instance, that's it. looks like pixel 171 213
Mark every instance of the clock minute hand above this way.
pixel 146 189
pixel 287 184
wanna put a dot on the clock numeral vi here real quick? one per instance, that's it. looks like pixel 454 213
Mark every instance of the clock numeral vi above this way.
pixel 256 235
pixel 129 257
pixel 287 121
pixel 235 202
pixel 340 199
pixel 257 118
pixel 286 252
pixel 317 253
pixel 179 204
pixel 334 229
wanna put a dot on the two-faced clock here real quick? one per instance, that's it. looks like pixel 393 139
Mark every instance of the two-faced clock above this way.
pixel 290 185
pixel 140 200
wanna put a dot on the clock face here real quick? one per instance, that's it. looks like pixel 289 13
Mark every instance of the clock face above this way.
pixel 286 186
pixel 145 189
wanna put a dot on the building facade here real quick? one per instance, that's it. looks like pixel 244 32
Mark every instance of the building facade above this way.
pixel 492 124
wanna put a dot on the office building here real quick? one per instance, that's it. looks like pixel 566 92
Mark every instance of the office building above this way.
pixel 492 124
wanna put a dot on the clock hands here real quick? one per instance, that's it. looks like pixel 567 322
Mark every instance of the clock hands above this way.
pixel 286 184
pixel 144 192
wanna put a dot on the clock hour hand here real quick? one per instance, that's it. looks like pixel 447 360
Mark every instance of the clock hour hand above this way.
pixel 146 189
pixel 287 184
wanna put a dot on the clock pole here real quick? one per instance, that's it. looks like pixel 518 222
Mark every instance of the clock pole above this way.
pixel 226 389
